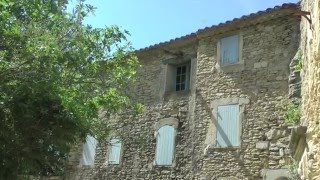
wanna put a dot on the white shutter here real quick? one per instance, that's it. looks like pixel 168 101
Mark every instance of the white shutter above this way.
pixel 165 145
pixel 89 151
pixel 229 50
pixel 228 127
pixel 114 151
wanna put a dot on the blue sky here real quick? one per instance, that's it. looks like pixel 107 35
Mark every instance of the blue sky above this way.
pixel 153 21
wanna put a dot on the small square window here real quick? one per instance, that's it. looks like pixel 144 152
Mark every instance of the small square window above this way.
pixel 229 50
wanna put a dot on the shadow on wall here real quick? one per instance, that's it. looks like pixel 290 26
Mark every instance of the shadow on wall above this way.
pixel 235 154
pixel 259 86
pixel 282 178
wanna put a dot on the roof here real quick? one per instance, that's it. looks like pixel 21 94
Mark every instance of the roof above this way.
pixel 286 6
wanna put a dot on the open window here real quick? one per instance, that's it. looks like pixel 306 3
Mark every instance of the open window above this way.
pixel 89 151
pixel 114 151
pixel 178 77
pixel 165 146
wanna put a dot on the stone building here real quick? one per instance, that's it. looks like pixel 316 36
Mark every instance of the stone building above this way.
pixel 213 106
pixel 309 166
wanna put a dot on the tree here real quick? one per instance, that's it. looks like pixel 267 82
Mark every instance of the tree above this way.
pixel 55 75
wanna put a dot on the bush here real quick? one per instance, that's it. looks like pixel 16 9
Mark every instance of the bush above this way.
pixel 292 113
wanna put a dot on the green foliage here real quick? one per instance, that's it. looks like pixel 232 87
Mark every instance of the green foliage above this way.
pixel 292 113
pixel 293 169
pixel 55 75
pixel 298 66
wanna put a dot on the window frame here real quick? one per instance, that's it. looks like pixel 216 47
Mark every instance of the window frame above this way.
pixel 168 77
pixel 211 135
pixel 235 67
pixel 187 77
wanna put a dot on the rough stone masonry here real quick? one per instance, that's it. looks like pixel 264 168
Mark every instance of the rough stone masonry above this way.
pixel 310 48
pixel 256 83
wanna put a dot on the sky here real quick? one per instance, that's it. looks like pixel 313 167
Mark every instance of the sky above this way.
pixel 153 21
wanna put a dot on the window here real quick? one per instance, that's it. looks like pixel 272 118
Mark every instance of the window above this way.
pixel 229 50
pixel 165 146
pixel 89 151
pixel 114 151
pixel 181 78
pixel 177 76
pixel 228 126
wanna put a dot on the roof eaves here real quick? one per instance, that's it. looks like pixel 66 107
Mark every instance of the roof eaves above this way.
pixel 220 25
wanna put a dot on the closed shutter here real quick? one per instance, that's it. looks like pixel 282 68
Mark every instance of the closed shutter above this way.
pixel 228 126
pixel 89 151
pixel 229 50
pixel 114 151
pixel 165 145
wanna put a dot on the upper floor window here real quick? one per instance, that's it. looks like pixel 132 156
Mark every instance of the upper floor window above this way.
pixel 177 77
pixel 165 146
pixel 228 126
pixel 114 153
pixel 89 151
pixel 229 50
pixel 181 78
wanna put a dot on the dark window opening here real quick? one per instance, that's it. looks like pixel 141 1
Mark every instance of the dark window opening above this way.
pixel 181 78
pixel 178 78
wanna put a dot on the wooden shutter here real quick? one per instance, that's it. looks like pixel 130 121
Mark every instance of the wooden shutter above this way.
pixel 89 151
pixel 229 50
pixel 228 126
pixel 114 151
pixel 165 145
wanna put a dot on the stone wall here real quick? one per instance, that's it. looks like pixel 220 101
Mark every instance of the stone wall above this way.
pixel 258 84
pixel 266 52
pixel 310 47
pixel 138 133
